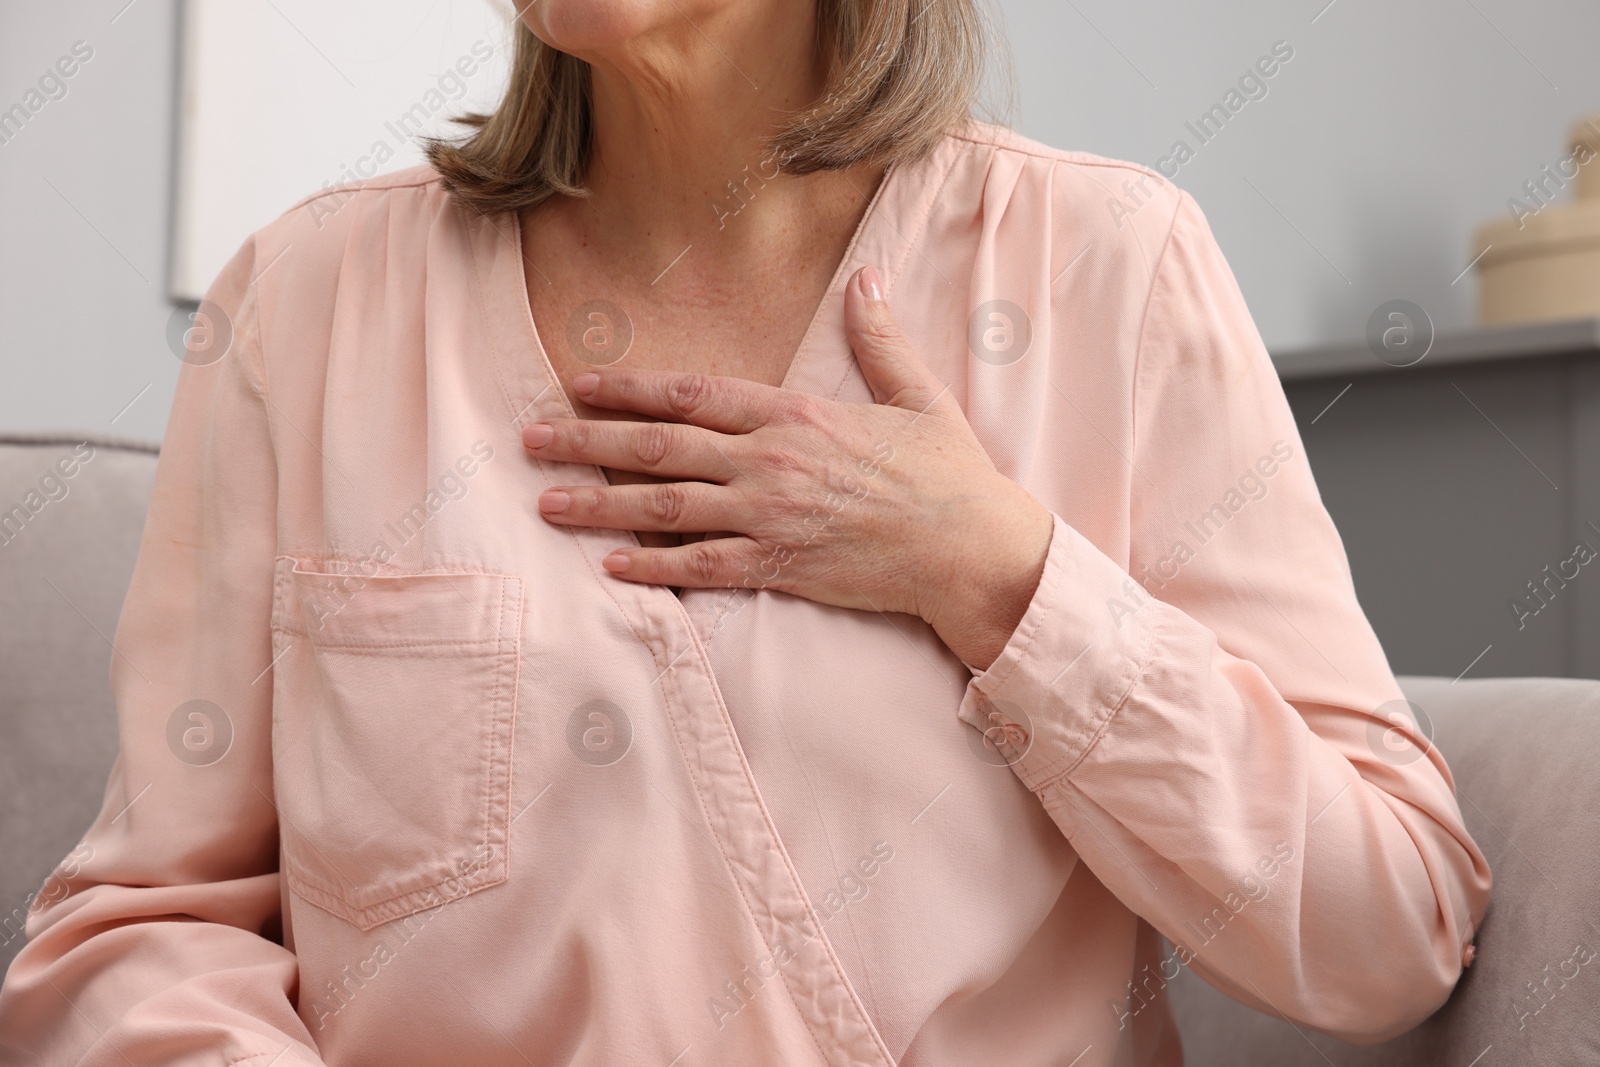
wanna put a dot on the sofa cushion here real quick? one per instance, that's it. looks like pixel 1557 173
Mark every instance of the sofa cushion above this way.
pixel 71 514
pixel 1522 751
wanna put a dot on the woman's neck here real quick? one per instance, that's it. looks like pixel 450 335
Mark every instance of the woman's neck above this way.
pixel 682 116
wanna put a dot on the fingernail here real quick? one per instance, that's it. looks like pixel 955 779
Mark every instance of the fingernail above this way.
pixel 871 287
pixel 554 501
pixel 538 435
pixel 616 563
pixel 584 383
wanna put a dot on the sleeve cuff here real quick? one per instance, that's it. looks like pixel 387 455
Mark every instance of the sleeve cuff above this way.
pixel 1082 643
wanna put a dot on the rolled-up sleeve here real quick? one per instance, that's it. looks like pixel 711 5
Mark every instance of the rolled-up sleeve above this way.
pixel 1214 725
pixel 163 944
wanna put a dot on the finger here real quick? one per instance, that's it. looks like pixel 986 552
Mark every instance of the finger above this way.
pixel 717 563
pixel 686 507
pixel 898 377
pixel 728 405
pixel 666 449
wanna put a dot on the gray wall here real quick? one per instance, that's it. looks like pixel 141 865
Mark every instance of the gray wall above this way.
pixel 1394 132
pixel 1359 177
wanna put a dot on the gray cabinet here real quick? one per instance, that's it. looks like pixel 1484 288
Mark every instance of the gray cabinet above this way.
pixel 1463 486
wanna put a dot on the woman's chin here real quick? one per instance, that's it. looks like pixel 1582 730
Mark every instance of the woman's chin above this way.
pixel 589 25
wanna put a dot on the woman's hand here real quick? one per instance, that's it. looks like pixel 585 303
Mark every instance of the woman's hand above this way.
pixel 892 506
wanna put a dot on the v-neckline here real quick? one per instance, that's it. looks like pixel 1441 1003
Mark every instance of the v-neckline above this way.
pixel 841 273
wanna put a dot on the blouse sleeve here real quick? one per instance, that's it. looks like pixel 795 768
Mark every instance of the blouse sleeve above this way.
pixel 161 942
pixel 1216 728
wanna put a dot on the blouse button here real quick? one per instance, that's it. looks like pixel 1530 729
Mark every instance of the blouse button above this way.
pixel 1469 954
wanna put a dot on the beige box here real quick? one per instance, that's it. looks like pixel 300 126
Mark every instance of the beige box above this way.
pixel 1546 267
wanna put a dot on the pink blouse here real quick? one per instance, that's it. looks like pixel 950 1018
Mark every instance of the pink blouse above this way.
pixel 407 778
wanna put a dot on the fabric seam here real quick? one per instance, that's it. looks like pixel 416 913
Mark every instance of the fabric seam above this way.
pixel 1138 349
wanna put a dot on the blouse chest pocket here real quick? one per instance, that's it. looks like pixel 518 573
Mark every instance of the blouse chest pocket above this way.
pixel 394 706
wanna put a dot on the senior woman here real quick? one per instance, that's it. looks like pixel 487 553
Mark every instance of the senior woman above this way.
pixel 736 563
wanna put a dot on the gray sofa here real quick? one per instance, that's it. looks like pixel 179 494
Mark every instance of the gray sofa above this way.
pixel 1523 750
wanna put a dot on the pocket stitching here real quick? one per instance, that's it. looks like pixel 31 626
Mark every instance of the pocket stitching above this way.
pixel 497 763
pixel 297 625
pixel 497 832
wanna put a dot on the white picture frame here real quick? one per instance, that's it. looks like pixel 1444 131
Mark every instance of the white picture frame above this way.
pixel 281 98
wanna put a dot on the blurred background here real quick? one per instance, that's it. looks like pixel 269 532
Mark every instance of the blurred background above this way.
pixel 1455 432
